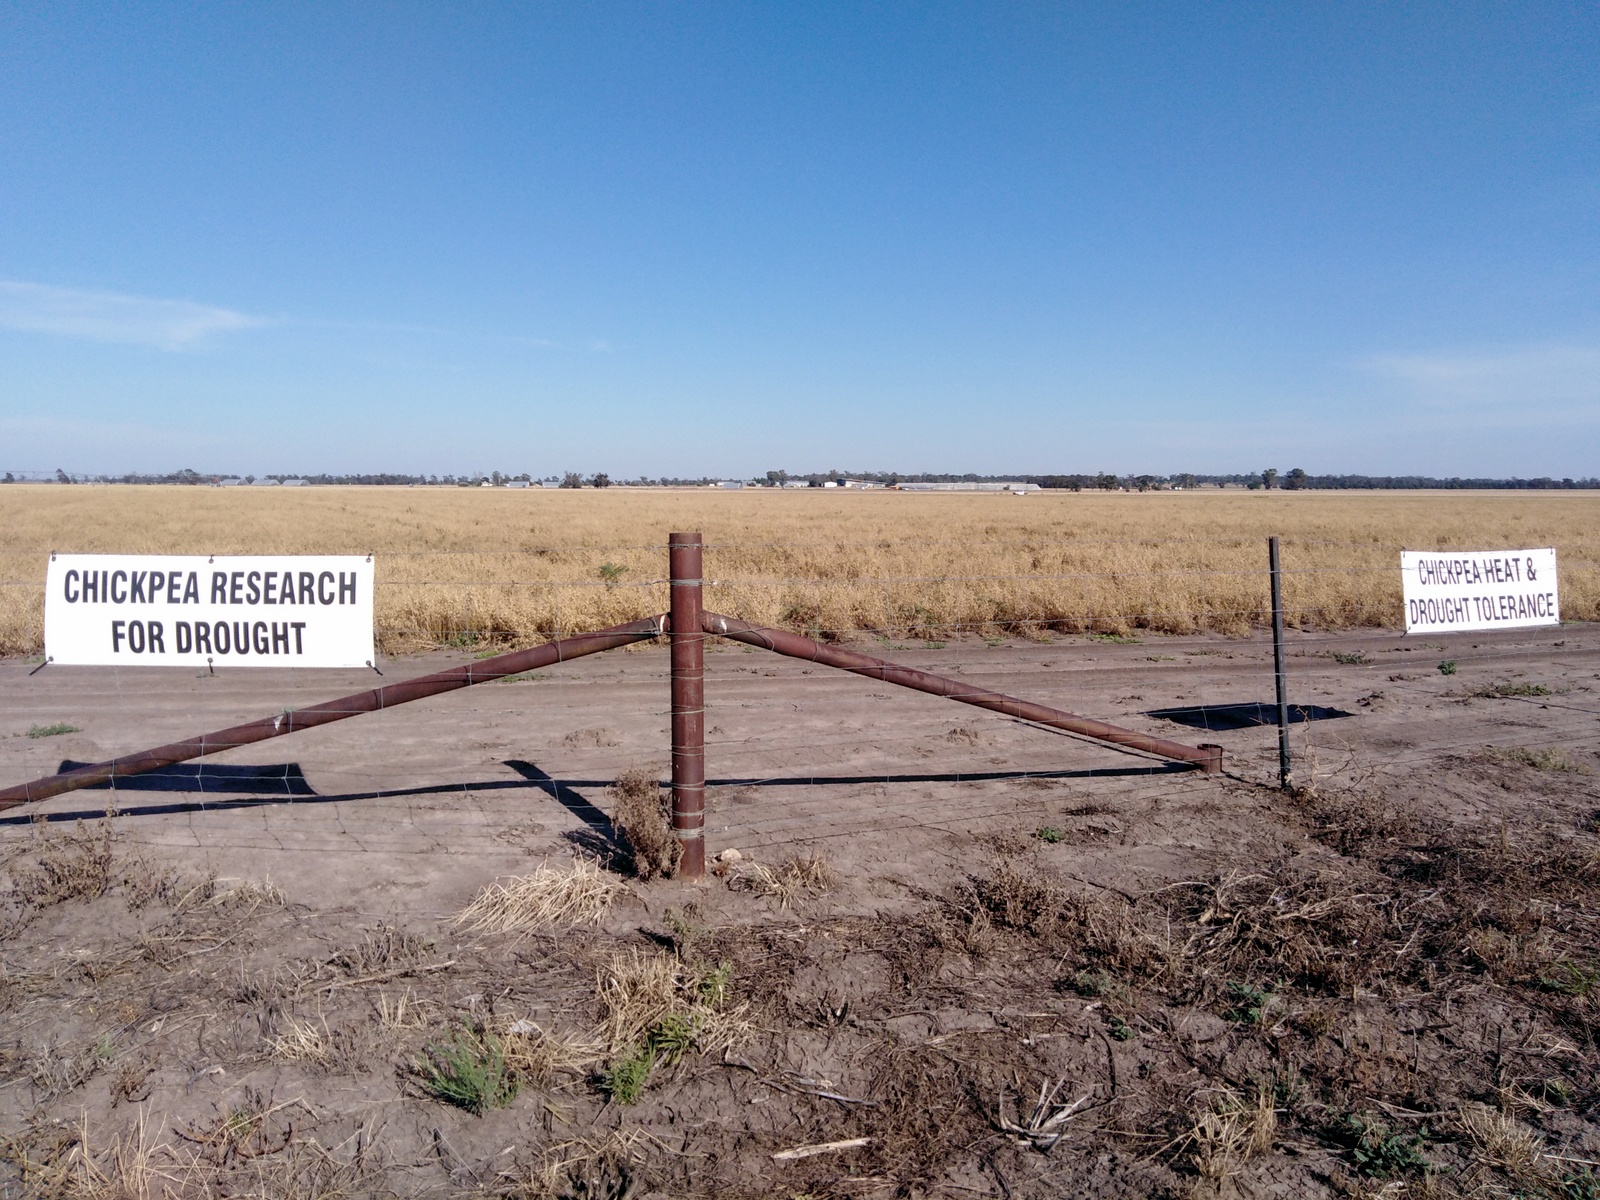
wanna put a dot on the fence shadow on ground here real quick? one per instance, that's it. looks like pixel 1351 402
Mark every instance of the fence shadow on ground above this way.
pixel 563 791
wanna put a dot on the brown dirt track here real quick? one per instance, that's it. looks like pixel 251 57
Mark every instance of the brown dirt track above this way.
pixel 1399 964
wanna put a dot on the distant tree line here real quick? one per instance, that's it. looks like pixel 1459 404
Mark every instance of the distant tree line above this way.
pixel 1298 480
pixel 1268 479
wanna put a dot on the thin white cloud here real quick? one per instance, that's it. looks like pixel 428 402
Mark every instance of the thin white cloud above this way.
pixel 1549 379
pixel 114 317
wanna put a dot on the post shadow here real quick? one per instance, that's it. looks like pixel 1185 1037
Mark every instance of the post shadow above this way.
pixel 562 791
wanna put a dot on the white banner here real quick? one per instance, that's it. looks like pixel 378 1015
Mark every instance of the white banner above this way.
pixel 161 610
pixel 1456 591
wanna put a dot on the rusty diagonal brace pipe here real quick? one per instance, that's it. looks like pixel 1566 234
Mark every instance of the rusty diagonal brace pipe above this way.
pixel 1208 758
pixel 486 671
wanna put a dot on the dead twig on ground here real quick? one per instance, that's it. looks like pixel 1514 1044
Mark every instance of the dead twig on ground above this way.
pixel 1046 1124
pixel 821 1148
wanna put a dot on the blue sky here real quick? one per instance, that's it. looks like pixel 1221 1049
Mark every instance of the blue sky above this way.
pixel 719 239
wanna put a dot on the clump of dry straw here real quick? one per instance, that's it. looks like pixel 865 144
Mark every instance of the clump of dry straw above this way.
pixel 548 898
pixel 641 815
pixel 791 880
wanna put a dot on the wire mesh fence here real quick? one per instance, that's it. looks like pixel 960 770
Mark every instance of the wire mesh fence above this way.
pixel 1168 614
pixel 926 589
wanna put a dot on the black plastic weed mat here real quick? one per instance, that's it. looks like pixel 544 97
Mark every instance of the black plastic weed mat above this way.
pixel 1218 718
pixel 272 779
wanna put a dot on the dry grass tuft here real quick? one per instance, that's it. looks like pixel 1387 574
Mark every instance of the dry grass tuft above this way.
pixel 134 1165
pixel 129 1163
pixel 636 990
pixel 71 866
pixel 1502 1140
pixel 1352 820
pixel 640 992
pixel 543 1057
pixel 249 894
pixel 1017 898
pixel 1548 759
pixel 547 899
pixel 1091 933
pixel 791 881
pixel 720 1028
pixel 123 1170
pixel 968 929
pixel 381 949
pixel 1231 1131
pixel 1319 931
pixel 600 1166
pixel 399 1014
pixel 303 1041
pixel 253 894
pixel 642 814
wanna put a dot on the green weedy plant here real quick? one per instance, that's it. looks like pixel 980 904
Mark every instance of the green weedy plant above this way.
pixel 1049 834
pixel 671 1038
pixel 1584 1185
pixel 681 923
pixel 1093 983
pixel 1447 667
pixel 1569 978
pixel 611 573
pixel 712 986
pixel 56 730
pixel 666 1042
pixel 1380 1152
pixel 1250 1003
pixel 624 1080
pixel 470 1072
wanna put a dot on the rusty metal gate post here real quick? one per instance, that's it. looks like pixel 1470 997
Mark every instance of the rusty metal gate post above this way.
pixel 688 642
pixel 1275 566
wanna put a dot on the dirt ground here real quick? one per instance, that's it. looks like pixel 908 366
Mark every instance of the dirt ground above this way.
pixel 958 955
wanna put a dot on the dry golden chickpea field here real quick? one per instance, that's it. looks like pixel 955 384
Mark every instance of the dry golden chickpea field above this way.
pixel 428 952
pixel 504 567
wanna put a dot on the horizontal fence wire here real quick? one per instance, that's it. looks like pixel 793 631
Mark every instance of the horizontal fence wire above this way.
pixel 778 826
pixel 890 816
pixel 834 580
pixel 1040 540
pixel 725 580
pixel 499 598
pixel 762 831
pixel 1351 622
pixel 880 639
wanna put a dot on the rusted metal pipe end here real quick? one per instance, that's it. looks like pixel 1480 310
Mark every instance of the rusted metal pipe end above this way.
pixel 1212 764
